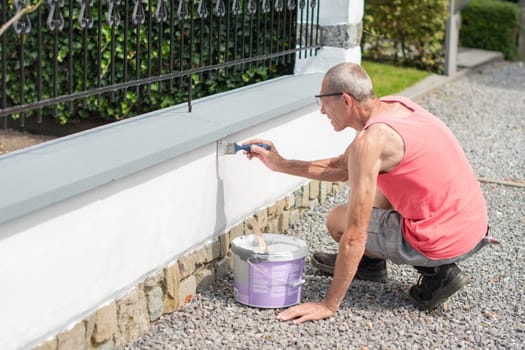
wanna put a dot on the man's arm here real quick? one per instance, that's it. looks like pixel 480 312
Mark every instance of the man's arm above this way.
pixel 331 169
pixel 364 164
pixel 377 149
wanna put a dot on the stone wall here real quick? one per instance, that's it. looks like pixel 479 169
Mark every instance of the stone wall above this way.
pixel 127 318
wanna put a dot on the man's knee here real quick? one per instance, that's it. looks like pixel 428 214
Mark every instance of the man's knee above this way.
pixel 336 222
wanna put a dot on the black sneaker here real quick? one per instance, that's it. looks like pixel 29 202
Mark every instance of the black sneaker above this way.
pixel 369 269
pixel 435 285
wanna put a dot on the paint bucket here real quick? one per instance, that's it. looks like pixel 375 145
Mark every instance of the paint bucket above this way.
pixel 270 279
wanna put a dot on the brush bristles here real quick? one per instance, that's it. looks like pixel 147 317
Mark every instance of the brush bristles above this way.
pixel 227 148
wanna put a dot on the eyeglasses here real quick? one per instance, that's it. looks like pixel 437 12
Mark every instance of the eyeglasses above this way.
pixel 320 103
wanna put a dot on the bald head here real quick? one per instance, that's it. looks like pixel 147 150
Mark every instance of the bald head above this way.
pixel 351 78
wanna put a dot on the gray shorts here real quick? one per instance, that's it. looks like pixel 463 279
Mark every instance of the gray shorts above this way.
pixel 385 239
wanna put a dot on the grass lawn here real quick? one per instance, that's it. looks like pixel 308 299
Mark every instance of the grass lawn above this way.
pixel 389 79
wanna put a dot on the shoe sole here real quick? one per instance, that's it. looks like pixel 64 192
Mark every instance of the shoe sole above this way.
pixel 460 281
pixel 379 276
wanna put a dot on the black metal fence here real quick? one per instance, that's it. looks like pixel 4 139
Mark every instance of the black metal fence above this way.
pixel 117 58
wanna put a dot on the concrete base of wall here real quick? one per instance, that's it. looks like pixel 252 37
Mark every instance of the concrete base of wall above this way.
pixel 127 318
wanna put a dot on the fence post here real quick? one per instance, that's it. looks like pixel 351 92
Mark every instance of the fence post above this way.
pixel 521 44
pixel 340 31
pixel 452 35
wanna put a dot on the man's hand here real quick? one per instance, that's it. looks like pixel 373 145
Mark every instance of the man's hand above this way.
pixel 306 312
pixel 270 158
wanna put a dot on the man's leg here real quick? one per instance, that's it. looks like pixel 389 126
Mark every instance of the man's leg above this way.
pixel 436 284
pixel 336 222
pixel 370 268
pixel 337 217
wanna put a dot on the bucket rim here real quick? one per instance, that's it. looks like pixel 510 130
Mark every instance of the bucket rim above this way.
pixel 299 247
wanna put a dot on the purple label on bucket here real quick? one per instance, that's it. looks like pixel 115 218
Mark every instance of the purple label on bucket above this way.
pixel 272 284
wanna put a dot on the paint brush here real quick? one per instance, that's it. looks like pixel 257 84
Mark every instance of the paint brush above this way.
pixel 233 147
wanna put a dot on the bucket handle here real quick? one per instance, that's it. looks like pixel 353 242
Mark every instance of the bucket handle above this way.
pixel 294 284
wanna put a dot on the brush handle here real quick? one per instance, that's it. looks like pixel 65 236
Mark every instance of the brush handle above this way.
pixel 248 147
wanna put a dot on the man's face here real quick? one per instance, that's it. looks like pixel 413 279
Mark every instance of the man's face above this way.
pixel 333 107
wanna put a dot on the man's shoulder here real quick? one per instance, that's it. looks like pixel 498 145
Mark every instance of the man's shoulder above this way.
pixel 371 136
pixel 383 139
pixel 376 129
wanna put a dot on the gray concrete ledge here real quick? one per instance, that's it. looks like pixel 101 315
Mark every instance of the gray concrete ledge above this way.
pixel 38 176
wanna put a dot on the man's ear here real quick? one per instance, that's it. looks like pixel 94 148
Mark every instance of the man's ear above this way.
pixel 348 99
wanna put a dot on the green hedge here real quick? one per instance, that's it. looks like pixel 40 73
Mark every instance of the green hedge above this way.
pixel 127 103
pixel 408 32
pixel 491 25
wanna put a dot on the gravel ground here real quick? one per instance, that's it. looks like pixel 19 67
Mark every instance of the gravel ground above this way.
pixel 486 111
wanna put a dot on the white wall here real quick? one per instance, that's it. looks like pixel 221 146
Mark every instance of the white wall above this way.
pixel 59 264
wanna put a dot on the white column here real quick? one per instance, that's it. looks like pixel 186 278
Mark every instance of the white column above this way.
pixel 340 30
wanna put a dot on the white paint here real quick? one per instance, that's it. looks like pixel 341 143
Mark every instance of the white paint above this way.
pixel 326 58
pixel 302 137
pixel 61 263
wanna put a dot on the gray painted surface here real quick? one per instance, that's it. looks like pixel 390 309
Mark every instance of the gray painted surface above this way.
pixel 38 176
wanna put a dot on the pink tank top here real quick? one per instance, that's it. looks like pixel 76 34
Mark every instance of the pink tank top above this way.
pixel 433 187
